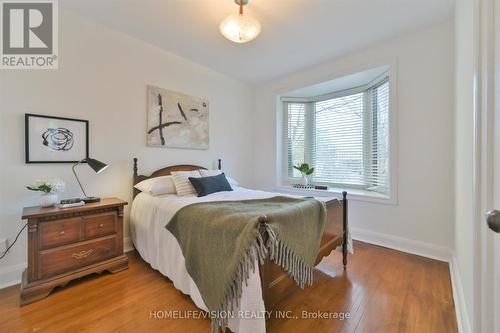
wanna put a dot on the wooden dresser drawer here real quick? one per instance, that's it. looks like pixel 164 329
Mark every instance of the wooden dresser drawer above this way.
pixel 99 225
pixel 67 243
pixel 70 257
pixel 56 233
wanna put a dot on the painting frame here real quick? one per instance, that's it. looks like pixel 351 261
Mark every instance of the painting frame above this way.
pixel 29 139
pixel 177 120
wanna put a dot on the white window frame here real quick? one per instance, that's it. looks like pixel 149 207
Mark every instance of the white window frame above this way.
pixel 284 182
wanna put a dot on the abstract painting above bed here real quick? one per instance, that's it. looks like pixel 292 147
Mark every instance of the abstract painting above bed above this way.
pixel 176 120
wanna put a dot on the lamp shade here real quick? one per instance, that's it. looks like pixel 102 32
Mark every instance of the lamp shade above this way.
pixel 239 28
pixel 96 165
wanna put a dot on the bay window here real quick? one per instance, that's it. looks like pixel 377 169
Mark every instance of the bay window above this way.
pixel 343 135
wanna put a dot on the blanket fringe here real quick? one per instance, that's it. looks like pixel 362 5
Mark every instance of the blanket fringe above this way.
pixel 279 253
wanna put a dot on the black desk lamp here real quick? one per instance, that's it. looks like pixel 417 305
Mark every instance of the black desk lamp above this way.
pixel 97 166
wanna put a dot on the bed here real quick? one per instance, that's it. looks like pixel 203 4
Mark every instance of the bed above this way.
pixel 266 287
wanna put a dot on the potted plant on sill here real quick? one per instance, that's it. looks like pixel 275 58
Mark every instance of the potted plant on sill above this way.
pixel 306 171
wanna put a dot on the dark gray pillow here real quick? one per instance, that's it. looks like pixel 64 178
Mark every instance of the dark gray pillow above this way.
pixel 208 185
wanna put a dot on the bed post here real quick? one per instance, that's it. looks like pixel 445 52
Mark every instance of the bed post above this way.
pixel 136 176
pixel 344 220
pixel 220 164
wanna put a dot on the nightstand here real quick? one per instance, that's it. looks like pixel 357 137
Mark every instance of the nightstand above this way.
pixel 68 243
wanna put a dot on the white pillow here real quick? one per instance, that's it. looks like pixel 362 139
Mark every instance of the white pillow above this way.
pixel 182 184
pixel 157 185
pixel 210 173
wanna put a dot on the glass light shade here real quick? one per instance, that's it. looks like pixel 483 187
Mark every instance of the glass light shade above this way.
pixel 240 28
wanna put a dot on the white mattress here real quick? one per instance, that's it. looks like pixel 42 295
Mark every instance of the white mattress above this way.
pixel 160 249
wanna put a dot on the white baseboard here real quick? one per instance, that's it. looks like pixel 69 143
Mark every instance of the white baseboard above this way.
pixel 459 298
pixel 402 244
pixel 11 275
pixel 425 250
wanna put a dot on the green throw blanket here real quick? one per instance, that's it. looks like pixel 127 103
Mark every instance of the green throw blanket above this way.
pixel 221 241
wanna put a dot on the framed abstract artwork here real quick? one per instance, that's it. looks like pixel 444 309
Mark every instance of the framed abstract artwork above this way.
pixel 55 139
pixel 176 120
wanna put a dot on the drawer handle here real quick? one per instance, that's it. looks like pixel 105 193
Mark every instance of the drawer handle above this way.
pixel 101 225
pixel 82 254
pixel 61 233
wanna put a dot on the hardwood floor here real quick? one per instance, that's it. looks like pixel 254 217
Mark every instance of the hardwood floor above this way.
pixel 383 291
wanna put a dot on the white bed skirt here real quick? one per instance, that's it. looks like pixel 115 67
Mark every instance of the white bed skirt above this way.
pixel 158 247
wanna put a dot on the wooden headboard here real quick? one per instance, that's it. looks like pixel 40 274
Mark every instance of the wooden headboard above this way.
pixel 164 172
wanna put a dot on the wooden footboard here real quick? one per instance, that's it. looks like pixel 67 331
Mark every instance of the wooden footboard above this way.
pixel 276 283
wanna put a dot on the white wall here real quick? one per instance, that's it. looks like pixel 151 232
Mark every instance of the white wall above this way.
pixel 464 136
pixel 102 77
pixel 422 219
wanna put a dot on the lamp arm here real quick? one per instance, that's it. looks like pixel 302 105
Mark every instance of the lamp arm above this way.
pixel 77 179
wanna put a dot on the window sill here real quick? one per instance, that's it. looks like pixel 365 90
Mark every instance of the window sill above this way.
pixel 352 194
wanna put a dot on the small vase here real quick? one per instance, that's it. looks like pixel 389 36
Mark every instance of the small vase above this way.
pixel 304 180
pixel 48 200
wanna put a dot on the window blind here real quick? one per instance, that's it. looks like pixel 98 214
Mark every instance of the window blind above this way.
pixel 346 138
pixel 296 113
pixel 378 171
pixel 338 140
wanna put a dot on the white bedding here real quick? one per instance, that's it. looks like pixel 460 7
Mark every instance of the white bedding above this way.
pixel 160 249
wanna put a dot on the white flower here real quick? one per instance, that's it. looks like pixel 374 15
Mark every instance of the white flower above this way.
pixel 57 185
pixel 53 185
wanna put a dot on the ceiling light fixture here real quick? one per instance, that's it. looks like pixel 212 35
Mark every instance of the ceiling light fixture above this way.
pixel 239 28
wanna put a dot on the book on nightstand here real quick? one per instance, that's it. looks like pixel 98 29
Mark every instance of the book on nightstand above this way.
pixel 73 204
pixel 68 203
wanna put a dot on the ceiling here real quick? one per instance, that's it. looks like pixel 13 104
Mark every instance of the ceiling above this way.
pixel 295 33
